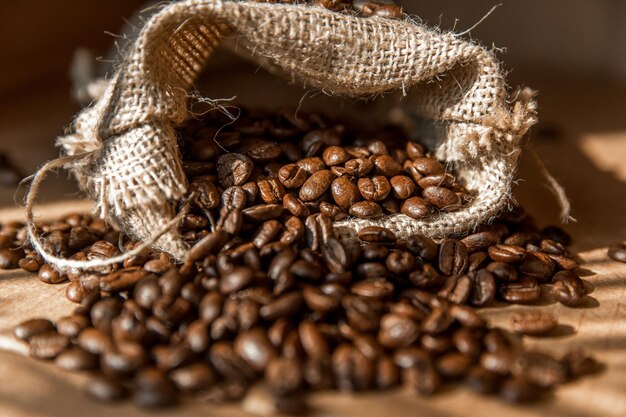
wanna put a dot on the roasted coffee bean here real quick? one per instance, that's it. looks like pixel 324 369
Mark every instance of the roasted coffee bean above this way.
pixel 482 381
pixel 502 271
pixel 376 234
pixel 618 252
pixel 47 345
pixel 104 311
pixel 49 275
pixel 254 347
pixel 76 359
pixel 366 210
pixel 498 362
pixel 282 306
pixel 437 180
pixel 537 265
pixel 71 326
pixel 318 229
pixel 29 328
pixel 363 313
pixel 375 287
pixel 233 169
pixel 316 185
pixel 423 246
pixel 457 289
pixel 313 342
pixel 153 389
pixel 415 207
pixel 95 341
pixel 453 258
pixel 540 369
pixel 335 155
pixel 263 212
pixel 283 375
pixel 10 257
pixel 400 262
pixel 295 206
pixel 533 322
pixel 564 262
pixel 311 165
pixel 292 176
pixel 397 331
pixel 428 166
pixel 388 11
pixel 423 378
pixel 193 378
pixel 506 253
pixel 105 389
pixel 122 280
pixel 568 288
pixel 359 167
pixel 453 365
pixel 259 150
pixel 374 189
pixel 387 166
pixel 442 198
pixel 485 288
pixel 211 243
pixel 477 261
pixel 271 190
pixel 344 192
pixel 524 291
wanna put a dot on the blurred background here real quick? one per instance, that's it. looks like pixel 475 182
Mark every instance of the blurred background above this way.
pixel 572 51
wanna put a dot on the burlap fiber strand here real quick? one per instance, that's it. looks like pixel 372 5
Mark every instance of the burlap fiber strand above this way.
pixel 125 149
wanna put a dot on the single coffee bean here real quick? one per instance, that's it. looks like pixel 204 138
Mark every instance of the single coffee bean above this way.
pixel 480 241
pixel 374 189
pixel 442 198
pixel 49 275
pixel 416 208
pixel 502 271
pixel 366 210
pixel 453 257
pixel 335 155
pixel 359 167
pixel 319 230
pixel 375 287
pixel 344 192
pixel 47 345
pixel 402 187
pixel 397 331
pixel 260 150
pixel 254 347
pixel 263 212
pixel 387 166
pixel 313 342
pixel 537 265
pixel 485 288
pixel 506 253
pixel 105 389
pixel 193 378
pixel 533 322
pixel 95 341
pixel 153 389
pixel 292 176
pixel 9 258
pixel 400 262
pixel 76 359
pixel 104 311
pixel 233 169
pixel 539 369
pixel 524 291
pixel 71 326
pixel 293 205
pixel 453 365
pixel 618 252
pixel 271 190
pixel 29 328
pixel 428 166
pixel 568 288
pixel 311 165
pixel 482 381
pixel 423 378
pixel 282 306
pixel 457 289
pixel 437 180
pixel 283 375
pixel 316 185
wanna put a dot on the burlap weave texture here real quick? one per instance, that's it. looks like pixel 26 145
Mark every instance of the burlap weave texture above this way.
pixel 125 144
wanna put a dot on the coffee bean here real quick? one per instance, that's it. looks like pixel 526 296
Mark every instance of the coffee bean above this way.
pixel 316 185
pixel 533 322
pixel 400 262
pixel 292 176
pixel 9 259
pixel 335 155
pixel 537 265
pixel 523 291
pixel 95 341
pixel 47 345
pixel 29 328
pixel 442 198
pixel 282 306
pixel 263 212
pixel 568 288
pixel 319 230
pixel 259 150
pixel 283 375
pixel 49 275
pixel 482 381
pixel 453 258
pixel 402 187
pixel 415 207
pixel 359 167
pixel 485 288
pixel 377 234
pixel 374 189
pixel 397 331
pixel 454 365
pixel 618 252
pixel 153 389
pixel 71 326
pixel 344 192
pixel 193 378
pixel 539 369
pixel 506 253
pixel 386 166
pixel 233 169
pixel 502 271
pixel 437 180
pixel 313 342
pixel 104 311
pixel 254 347
pixel 105 389
pixel 271 190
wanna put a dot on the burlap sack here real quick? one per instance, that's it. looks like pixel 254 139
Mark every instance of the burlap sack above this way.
pixel 123 150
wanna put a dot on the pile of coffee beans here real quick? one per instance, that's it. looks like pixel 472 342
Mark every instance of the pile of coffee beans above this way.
pixel 267 292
